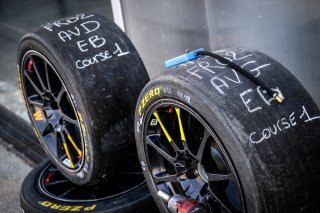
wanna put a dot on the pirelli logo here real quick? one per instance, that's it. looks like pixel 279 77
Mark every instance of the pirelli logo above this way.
pixel 71 208
pixel 151 93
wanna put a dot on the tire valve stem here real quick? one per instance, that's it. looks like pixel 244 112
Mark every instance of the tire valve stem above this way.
pixel 47 180
pixel 181 204
pixel 29 65
pixel 278 97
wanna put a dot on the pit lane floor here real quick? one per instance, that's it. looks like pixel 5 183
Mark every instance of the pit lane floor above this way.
pixel 13 170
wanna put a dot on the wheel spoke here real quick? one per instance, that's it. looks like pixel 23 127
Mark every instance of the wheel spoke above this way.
pixel 203 143
pixel 182 135
pixel 164 130
pixel 223 201
pixel 38 74
pixel 219 177
pixel 67 192
pixel 51 141
pixel 61 92
pixel 73 143
pixel 32 83
pixel 70 120
pixel 47 75
pixel 163 127
pixel 58 182
pixel 158 178
pixel 159 150
pixel 32 101
pixel 175 147
pixel 121 186
pixel 66 149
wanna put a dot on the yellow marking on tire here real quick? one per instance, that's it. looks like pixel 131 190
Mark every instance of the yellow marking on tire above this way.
pixel 35 131
pixel 162 127
pixel 183 137
pixel 74 145
pixel 84 134
pixel 38 116
pixel 21 91
pixel 68 154
pixel 148 96
pixel 64 208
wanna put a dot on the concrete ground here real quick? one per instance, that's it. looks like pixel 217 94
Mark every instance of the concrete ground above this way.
pixel 13 170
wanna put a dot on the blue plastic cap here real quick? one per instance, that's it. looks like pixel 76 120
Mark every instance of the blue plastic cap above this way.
pixel 183 58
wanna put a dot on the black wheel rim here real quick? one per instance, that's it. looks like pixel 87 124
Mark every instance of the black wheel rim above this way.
pixel 55 185
pixel 186 157
pixel 52 111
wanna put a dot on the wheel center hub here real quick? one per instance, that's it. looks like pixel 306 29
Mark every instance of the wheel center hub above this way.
pixel 50 101
pixel 192 174
pixel 188 166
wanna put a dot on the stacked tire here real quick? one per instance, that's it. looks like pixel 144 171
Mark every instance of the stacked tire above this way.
pixel 80 78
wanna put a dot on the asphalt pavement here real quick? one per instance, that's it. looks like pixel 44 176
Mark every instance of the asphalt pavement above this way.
pixel 13 170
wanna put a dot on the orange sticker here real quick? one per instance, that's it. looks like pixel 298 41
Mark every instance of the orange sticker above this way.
pixel 38 116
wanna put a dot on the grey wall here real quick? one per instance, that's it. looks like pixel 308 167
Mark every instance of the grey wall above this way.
pixel 287 30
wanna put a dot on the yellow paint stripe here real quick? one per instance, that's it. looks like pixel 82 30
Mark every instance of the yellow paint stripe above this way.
pixel 68 154
pixel 162 127
pixel 183 137
pixel 74 145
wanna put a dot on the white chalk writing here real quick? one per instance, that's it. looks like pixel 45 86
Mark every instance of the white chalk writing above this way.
pixel 248 100
pixel 95 41
pixel 262 95
pixel 258 69
pixel 280 125
pixel 102 56
pixel 119 51
pixel 86 27
pixel 66 22
pixel 305 113
pixel 223 81
pixel 86 37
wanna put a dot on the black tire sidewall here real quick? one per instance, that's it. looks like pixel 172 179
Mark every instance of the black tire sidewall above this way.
pixel 33 200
